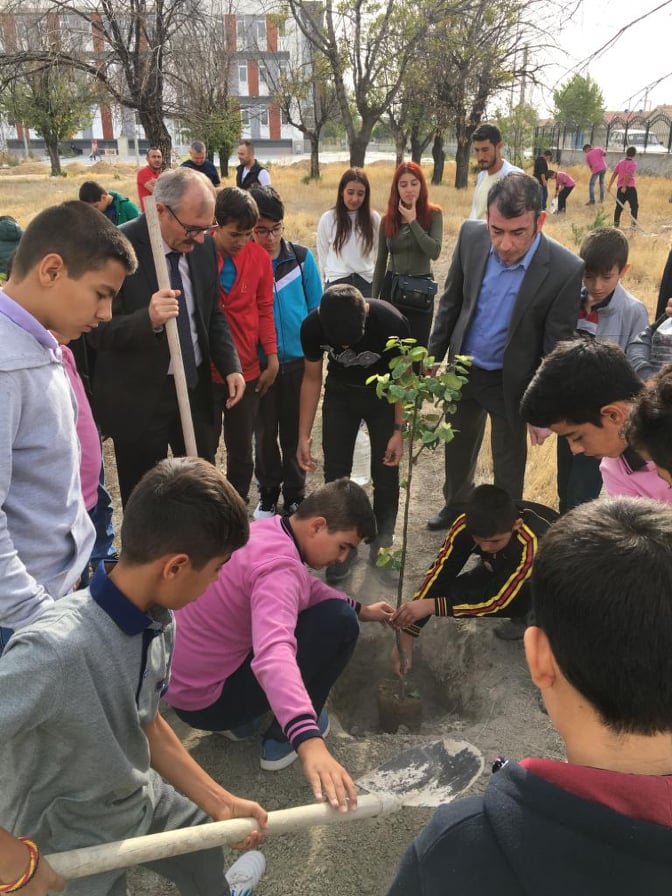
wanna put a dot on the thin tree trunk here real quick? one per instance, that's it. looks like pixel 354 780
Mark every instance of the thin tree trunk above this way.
pixel 314 155
pixel 54 157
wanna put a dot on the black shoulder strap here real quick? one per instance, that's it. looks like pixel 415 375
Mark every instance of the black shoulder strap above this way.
pixel 300 252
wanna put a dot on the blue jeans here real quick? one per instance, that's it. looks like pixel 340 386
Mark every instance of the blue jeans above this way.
pixel 591 185
pixel 101 517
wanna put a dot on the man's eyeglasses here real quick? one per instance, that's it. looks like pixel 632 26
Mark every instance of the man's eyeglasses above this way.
pixel 269 231
pixel 190 231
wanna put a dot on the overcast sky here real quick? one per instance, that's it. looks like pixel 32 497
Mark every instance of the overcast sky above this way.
pixel 641 56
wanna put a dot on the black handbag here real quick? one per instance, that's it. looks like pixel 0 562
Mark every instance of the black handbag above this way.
pixel 413 293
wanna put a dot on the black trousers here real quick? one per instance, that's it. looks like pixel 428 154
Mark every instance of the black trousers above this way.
pixel 326 635
pixel 629 195
pixel 276 466
pixel 136 454
pixel 239 422
pixel 483 396
pixel 342 411
pixel 562 198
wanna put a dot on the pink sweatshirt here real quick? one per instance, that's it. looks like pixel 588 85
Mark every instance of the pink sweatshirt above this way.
pixel 625 172
pixel 595 160
pixel 254 605
pixel 620 479
pixel 90 458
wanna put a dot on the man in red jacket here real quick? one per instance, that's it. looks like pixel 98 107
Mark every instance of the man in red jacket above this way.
pixel 246 299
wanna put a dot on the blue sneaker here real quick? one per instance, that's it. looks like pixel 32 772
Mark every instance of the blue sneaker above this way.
pixel 279 754
pixel 246 730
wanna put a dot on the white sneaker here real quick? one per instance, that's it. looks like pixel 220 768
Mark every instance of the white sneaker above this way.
pixel 246 872
pixel 263 511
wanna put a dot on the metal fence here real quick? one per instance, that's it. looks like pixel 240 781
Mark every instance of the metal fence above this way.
pixel 648 132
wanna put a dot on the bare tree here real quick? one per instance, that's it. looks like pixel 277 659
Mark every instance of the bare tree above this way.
pixel 123 47
pixel 488 47
pixel 302 87
pixel 368 43
pixel 199 78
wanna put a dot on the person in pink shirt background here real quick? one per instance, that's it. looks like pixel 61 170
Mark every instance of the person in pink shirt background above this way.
pixel 626 190
pixel 598 167
pixel 564 184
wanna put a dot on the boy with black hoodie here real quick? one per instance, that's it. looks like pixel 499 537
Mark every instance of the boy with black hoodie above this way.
pixel 601 653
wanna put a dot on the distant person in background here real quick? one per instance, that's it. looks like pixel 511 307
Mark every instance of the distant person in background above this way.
pixel 114 206
pixel 10 234
pixel 626 191
pixel 594 156
pixel 347 235
pixel 197 161
pixel 95 155
pixel 410 238
pixel 146 177
pixel 250 172
pixel 564 184
pixel 487 143
pixel 541 172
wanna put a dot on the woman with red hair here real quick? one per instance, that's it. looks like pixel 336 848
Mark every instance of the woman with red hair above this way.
pixel 410 239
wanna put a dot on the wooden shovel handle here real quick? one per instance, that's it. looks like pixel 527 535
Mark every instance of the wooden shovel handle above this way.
pixel 124 853
pixel 163 280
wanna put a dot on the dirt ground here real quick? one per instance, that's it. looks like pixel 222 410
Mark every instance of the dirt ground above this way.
pixel 474 687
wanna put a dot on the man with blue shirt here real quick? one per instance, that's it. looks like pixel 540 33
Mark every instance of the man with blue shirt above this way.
pixel 510 296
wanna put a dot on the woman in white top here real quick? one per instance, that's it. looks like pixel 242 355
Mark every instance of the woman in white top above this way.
pixel 347 235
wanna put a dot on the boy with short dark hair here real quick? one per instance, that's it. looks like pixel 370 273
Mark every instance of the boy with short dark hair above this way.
pixel 298 290
pixel 600 822
pixel 101 762
pixel 584 391
pixel 626 191
pixel 649 426
pixel 70 263
pixel 246 300
pixel 116 207
pixel 504 535
pixel 609 312
pixel 267 633
pixel 354 332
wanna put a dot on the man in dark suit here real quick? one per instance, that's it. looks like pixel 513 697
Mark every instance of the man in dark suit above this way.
pixel 134 390
pixel 511 294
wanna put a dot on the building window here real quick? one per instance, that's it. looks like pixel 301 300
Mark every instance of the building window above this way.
pixel 284 118
pixel 242 34
pixel 245 118
pixel 263 118
pixel 242 72
pixel 260 34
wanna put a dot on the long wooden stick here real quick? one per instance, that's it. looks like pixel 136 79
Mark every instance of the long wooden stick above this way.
pixel 163 279
pixel 124 853
pixel 632 217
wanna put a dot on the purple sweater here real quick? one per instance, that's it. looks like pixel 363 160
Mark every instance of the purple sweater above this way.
pixel 254 605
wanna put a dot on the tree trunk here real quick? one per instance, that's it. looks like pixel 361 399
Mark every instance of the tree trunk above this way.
pixel 224 153
pixel 358 150
pixel 314 155
pixel 462 157
pixel 54 157
pixel 416 145
pixel 156 131
pixel 439 157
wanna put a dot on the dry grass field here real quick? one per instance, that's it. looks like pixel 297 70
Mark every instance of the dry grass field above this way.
pixel 26 189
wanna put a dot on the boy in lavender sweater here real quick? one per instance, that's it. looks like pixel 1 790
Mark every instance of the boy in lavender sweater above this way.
pixel 267 633
pixel 68 266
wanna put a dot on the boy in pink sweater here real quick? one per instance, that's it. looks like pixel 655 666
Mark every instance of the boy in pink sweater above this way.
pixel 595 156
pixel 626 191
pixel 268 633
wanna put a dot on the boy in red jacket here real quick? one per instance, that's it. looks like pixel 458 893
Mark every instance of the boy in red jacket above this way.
pixel 246 299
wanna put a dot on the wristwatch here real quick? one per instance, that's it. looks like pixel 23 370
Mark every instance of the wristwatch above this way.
pixel 401 427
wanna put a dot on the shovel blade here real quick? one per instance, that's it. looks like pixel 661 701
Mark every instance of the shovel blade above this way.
pixel 427 775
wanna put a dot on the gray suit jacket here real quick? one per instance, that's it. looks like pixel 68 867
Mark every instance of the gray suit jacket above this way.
pixel 132 359
pixel 544 313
